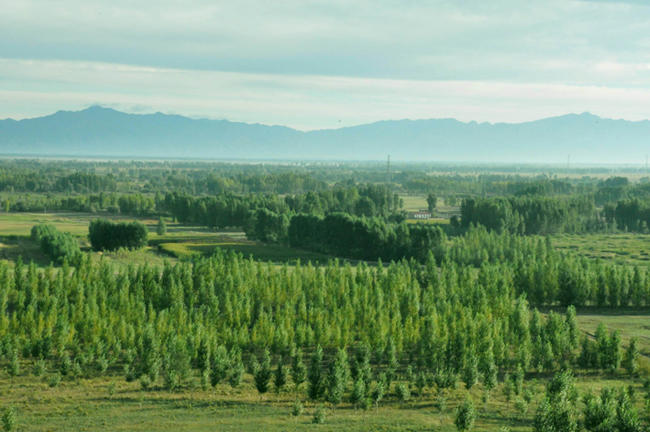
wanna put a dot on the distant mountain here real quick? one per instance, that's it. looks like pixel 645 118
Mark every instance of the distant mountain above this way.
pixel 100 131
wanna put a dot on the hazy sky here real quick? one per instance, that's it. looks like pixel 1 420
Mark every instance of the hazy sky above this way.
pixel 322 64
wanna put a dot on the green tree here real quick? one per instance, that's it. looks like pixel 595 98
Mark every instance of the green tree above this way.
pixel 358 392
pixel 280 377
pixel 557 416
pixel 262 376
pixel 403 392
pixel 316 387
pixel 161 228
pixel 319 415
pixel 298 369
pixel 220 366
pixel 337 379
pixel 9 419
pixel 631 360
pixel 470 372
pixel 378 392
pixel 432 202
pixel 465 416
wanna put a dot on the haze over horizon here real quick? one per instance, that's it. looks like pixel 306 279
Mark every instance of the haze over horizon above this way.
pixel 323 65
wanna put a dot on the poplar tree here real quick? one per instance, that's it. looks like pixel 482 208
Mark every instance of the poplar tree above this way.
pixel 465 416
pixel 161 228
pixel 338 377
pixel 298 369
pixel 315 378
pixel 280 377
pixel 631 360
pixel 262 376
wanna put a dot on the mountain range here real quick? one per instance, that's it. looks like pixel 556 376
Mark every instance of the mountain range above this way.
pixel 97 131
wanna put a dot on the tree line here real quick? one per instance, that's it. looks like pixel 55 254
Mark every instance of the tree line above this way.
pixel 106 235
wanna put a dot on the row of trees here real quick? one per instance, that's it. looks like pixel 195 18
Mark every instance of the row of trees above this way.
pixel 343 235
pixel 230 210
pixel 134 204
pixel 532 215
pixel 106 235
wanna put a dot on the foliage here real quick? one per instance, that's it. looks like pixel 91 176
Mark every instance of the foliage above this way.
pixel 107 235
pixel 465 416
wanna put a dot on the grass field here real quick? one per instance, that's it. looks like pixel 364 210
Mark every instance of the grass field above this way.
pixel 204 246
pixel 180 242
pixel 622 249
pixel 109 403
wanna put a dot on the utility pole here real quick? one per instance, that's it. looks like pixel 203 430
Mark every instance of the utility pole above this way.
pixel 568 162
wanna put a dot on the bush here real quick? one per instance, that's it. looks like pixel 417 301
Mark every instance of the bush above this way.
pixel 41 230
pixel 319 415
pixel 58 246
pixel 105 235
pixel 54 243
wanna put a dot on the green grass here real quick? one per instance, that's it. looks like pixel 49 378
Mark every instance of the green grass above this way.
pixel 205 246
pixel 622 249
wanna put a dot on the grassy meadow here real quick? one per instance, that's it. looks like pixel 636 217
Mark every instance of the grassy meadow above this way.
pixel 622 249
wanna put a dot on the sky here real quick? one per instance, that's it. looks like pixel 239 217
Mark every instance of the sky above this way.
pixel 313 64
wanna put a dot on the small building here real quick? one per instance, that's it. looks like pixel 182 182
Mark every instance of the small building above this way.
pixel 420 215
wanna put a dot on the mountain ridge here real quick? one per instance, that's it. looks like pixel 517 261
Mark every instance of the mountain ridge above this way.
pixel 99 131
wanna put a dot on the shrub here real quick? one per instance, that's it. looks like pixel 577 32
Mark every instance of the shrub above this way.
pixel 41 230
pixel 58 246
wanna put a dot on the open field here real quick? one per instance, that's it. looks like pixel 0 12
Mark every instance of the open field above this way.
pixel 630 325
pixel 622 249
pixel 414 203
pixel 180 241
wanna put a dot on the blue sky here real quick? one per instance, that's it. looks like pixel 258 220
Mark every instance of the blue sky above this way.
pixel 317 64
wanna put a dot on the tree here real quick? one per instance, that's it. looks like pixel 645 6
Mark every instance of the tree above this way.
pixel 298 369
pixel 316 387
pixel 262 376
pixel 14 363
pixel 588 358
pixel 432 202
pixel 107 235
pixel 319 415
pixel 465 416
pixel 161 229
pixel 470 372
pixel 358 392
pixel 220 366
pixel 297 409
pixel 631 360
pixel 280 377
pixel 403 392
pixel 236 369
pixel 337 379
pixel 9 419
pixel 378 392
pixel 555 416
